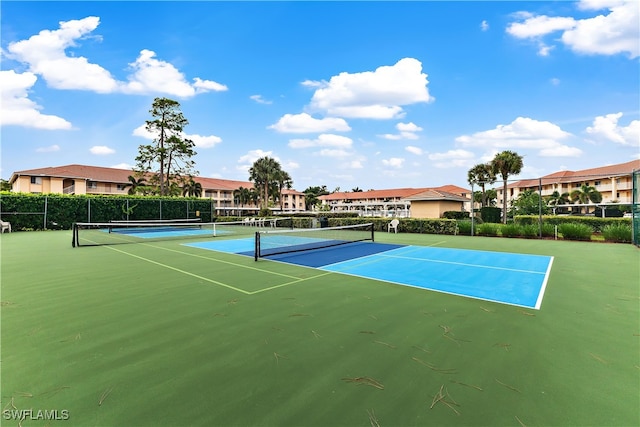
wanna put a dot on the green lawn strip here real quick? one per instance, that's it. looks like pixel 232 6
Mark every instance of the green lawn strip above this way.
pixel 118 340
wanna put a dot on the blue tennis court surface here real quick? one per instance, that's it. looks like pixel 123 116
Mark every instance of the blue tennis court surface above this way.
pixel 515 279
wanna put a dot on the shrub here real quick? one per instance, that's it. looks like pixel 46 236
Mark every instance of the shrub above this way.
pixel 530 231
pixel 455 215
pixel 548 230
pixel 575 231
pixel 511 230
pixel 488 229
pixel 464 228
pixel 620 233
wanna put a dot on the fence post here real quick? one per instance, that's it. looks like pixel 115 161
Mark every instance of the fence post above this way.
pixel 46 200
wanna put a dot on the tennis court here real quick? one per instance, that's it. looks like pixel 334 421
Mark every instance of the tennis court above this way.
pixel 508 278
pixel 157 332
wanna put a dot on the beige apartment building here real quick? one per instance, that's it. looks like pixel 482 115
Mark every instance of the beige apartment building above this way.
pixel 401 202
pixel 614 182
pixel 83 179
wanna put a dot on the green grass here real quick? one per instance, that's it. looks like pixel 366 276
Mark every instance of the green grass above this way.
pixel 163 334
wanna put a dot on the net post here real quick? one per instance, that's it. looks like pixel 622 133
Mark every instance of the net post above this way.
pixel 74 235
pixel 372 231
pixel 256 249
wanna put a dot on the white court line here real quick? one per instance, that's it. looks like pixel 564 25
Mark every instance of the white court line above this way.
pixel 463 264
pixel 544 285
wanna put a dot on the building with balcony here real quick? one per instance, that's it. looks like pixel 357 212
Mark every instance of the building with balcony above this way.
pixel 401 202
pixel 83 179
pixel 614 182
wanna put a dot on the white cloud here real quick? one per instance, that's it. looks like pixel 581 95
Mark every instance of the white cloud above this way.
pixel 151 75
pixel 560 151
pixel 414 150
pixel 49 149
pixel 378 94
pixel 122 166
pixel 606 128
pixel 18 110
pixel 254 155
pixel 605 34
pixel 555 81
pixel 204 141
pixel 45 54
pixel 101 150
pixel 201 141
pixel 394 162
pixel 323 140
pixel 304 123
pixel 260 100
pixel 484 26
pixel 407 131
pixel 452 158
pixel 355 164
pixel 334 152
pixel 522 133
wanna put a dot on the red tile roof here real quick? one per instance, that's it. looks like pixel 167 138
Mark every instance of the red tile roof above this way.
pixel 609 171
pixel 113 175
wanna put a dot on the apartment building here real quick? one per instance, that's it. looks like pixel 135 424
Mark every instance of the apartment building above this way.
pixel 614 182
pixel 401 202
pixel 83 179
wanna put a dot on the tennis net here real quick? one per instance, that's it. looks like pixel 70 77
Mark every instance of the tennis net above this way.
pixel 274 242
pixel 112 233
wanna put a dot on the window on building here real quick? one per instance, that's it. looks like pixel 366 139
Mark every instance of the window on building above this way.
pixel 92 185
pixel 36 180
pixel 597 183
pixel 121 187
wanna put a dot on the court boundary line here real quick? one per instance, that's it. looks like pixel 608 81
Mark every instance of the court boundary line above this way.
pixel 466 264
pixel 436 290
pixel 543 288
pixel 215 282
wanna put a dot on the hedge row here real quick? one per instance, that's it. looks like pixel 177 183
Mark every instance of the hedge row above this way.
pixel 596 223
pixel 36 212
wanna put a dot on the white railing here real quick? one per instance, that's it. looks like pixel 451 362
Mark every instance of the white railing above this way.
pixel 69 190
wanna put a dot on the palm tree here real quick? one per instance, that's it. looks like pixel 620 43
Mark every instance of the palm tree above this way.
pixel 263 173
pixel 284 181
pixel 585 194
pixel 481 174
pixel 505 164
pixel 135 184
pixel 192 189
pixel 241 196
pixel 357 190
pixel 556 199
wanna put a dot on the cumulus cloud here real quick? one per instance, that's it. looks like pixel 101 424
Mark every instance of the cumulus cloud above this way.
pixel 201 141
pixel 260 100
pixel 378 94
pixel 49 149
pixel 484 26
pixel 304 123
pixel 523 133
pixel 452 158
pixel 101 150
pixel 46 55
pixel 323 140
pixel 615 31
pixel 122 166
pixel 18 110
pixel 606 128
pixel 394 162
pixel 414 150
pixel 406 131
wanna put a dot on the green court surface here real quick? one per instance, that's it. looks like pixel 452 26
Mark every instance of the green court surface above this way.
pixel 161 334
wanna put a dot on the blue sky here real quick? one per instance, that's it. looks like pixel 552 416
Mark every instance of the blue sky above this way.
pixel 372 95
